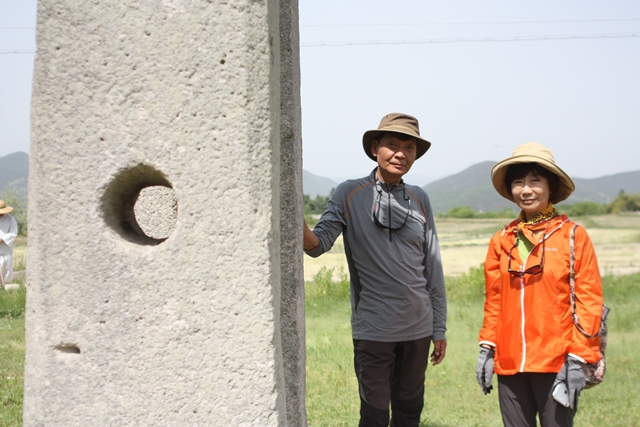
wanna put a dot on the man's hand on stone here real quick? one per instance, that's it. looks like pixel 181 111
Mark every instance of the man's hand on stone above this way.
pixel 310 240
pixel 439 351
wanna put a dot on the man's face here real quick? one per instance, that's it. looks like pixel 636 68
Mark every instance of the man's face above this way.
pixel 395 156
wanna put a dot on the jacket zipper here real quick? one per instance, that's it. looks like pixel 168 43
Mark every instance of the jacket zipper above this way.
pixel 522 323
pixel 389 208
pixel 522 328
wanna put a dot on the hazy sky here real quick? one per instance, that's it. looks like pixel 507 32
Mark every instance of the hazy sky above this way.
pixel 481 76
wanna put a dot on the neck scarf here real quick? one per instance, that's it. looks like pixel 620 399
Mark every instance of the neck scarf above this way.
pixel 531 229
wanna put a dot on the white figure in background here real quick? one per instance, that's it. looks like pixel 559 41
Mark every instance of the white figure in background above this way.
pixel 8 234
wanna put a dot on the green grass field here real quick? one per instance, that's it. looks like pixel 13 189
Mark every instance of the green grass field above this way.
pixel 11 370
pixel 452 394
pixel 12 351
pixel 453 397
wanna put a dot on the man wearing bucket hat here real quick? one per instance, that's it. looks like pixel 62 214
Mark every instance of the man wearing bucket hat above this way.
pixel 528 336
pixel 8 234
pixel 398 296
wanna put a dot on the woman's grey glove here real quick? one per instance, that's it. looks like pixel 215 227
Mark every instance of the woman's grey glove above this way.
pixel 572 377
pixel 484 369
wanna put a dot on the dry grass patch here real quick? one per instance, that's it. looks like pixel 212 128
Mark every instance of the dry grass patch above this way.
pixel 463 244
pixel 20 257
pixel 622 220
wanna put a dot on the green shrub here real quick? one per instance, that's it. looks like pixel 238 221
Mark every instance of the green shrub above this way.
pixel 468 287
pixel 317 205
pixel 585 208
pixel 465 212
pixel 461 212
pixel 624 203
pixel 324 285
pixel 502 213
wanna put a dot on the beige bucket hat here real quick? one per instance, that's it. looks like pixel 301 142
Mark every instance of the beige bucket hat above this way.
pixel 396 122
pixel 4 209
pixel 532 152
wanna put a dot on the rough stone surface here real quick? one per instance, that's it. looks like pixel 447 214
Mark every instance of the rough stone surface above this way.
pixel 291 208
pixel 126 330
pixel 156 211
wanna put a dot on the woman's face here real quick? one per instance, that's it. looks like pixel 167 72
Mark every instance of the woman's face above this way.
pixel 531 194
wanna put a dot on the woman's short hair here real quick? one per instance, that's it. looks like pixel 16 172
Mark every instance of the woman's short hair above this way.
pixel 520 170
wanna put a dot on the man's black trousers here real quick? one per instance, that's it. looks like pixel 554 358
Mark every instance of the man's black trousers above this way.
pixel 391 373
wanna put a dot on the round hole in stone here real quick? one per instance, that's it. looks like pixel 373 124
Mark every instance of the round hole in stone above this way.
pixel 140 205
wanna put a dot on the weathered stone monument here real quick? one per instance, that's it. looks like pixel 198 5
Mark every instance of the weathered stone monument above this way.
pixel 165 265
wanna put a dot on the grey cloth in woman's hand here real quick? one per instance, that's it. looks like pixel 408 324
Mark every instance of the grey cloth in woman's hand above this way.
pixel 572 375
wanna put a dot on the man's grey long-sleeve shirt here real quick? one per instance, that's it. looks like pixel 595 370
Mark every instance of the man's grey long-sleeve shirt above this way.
pixel 397 282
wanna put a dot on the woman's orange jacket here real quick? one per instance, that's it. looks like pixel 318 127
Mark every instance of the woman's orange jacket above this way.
pixel 527 317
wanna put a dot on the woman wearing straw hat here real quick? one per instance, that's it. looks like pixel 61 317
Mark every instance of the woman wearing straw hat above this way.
pixel 8 234
pixel 528 337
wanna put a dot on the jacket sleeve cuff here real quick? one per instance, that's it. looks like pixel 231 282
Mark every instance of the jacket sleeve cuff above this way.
pixel 576 357
pixel 489 343
pixel 439 336
pixel 315 252
pixel 583 353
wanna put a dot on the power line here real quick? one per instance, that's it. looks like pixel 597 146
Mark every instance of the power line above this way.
pixel 417 24
pixel 476 40
pixel 558 21
pixel 9 52
pixel 439 41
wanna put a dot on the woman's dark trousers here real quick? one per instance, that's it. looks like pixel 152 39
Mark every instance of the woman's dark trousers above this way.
pixel 523 396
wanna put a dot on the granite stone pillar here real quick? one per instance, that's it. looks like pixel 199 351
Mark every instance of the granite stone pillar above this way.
pixel 164 268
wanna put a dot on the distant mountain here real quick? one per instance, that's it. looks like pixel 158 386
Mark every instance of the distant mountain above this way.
pixel 14 172
pixel 606 188
pixel 472 187
pixel 314 185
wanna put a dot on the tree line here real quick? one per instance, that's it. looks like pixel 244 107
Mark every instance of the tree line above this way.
pixel 622 203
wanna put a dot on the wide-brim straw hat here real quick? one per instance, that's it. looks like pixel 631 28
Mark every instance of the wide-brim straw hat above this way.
pixel 400 123
pixel 4 209
pixel 532 152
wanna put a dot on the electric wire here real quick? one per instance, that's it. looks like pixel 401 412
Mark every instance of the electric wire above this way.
pixel 557 37
pixel 419 24
pixel 8 52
